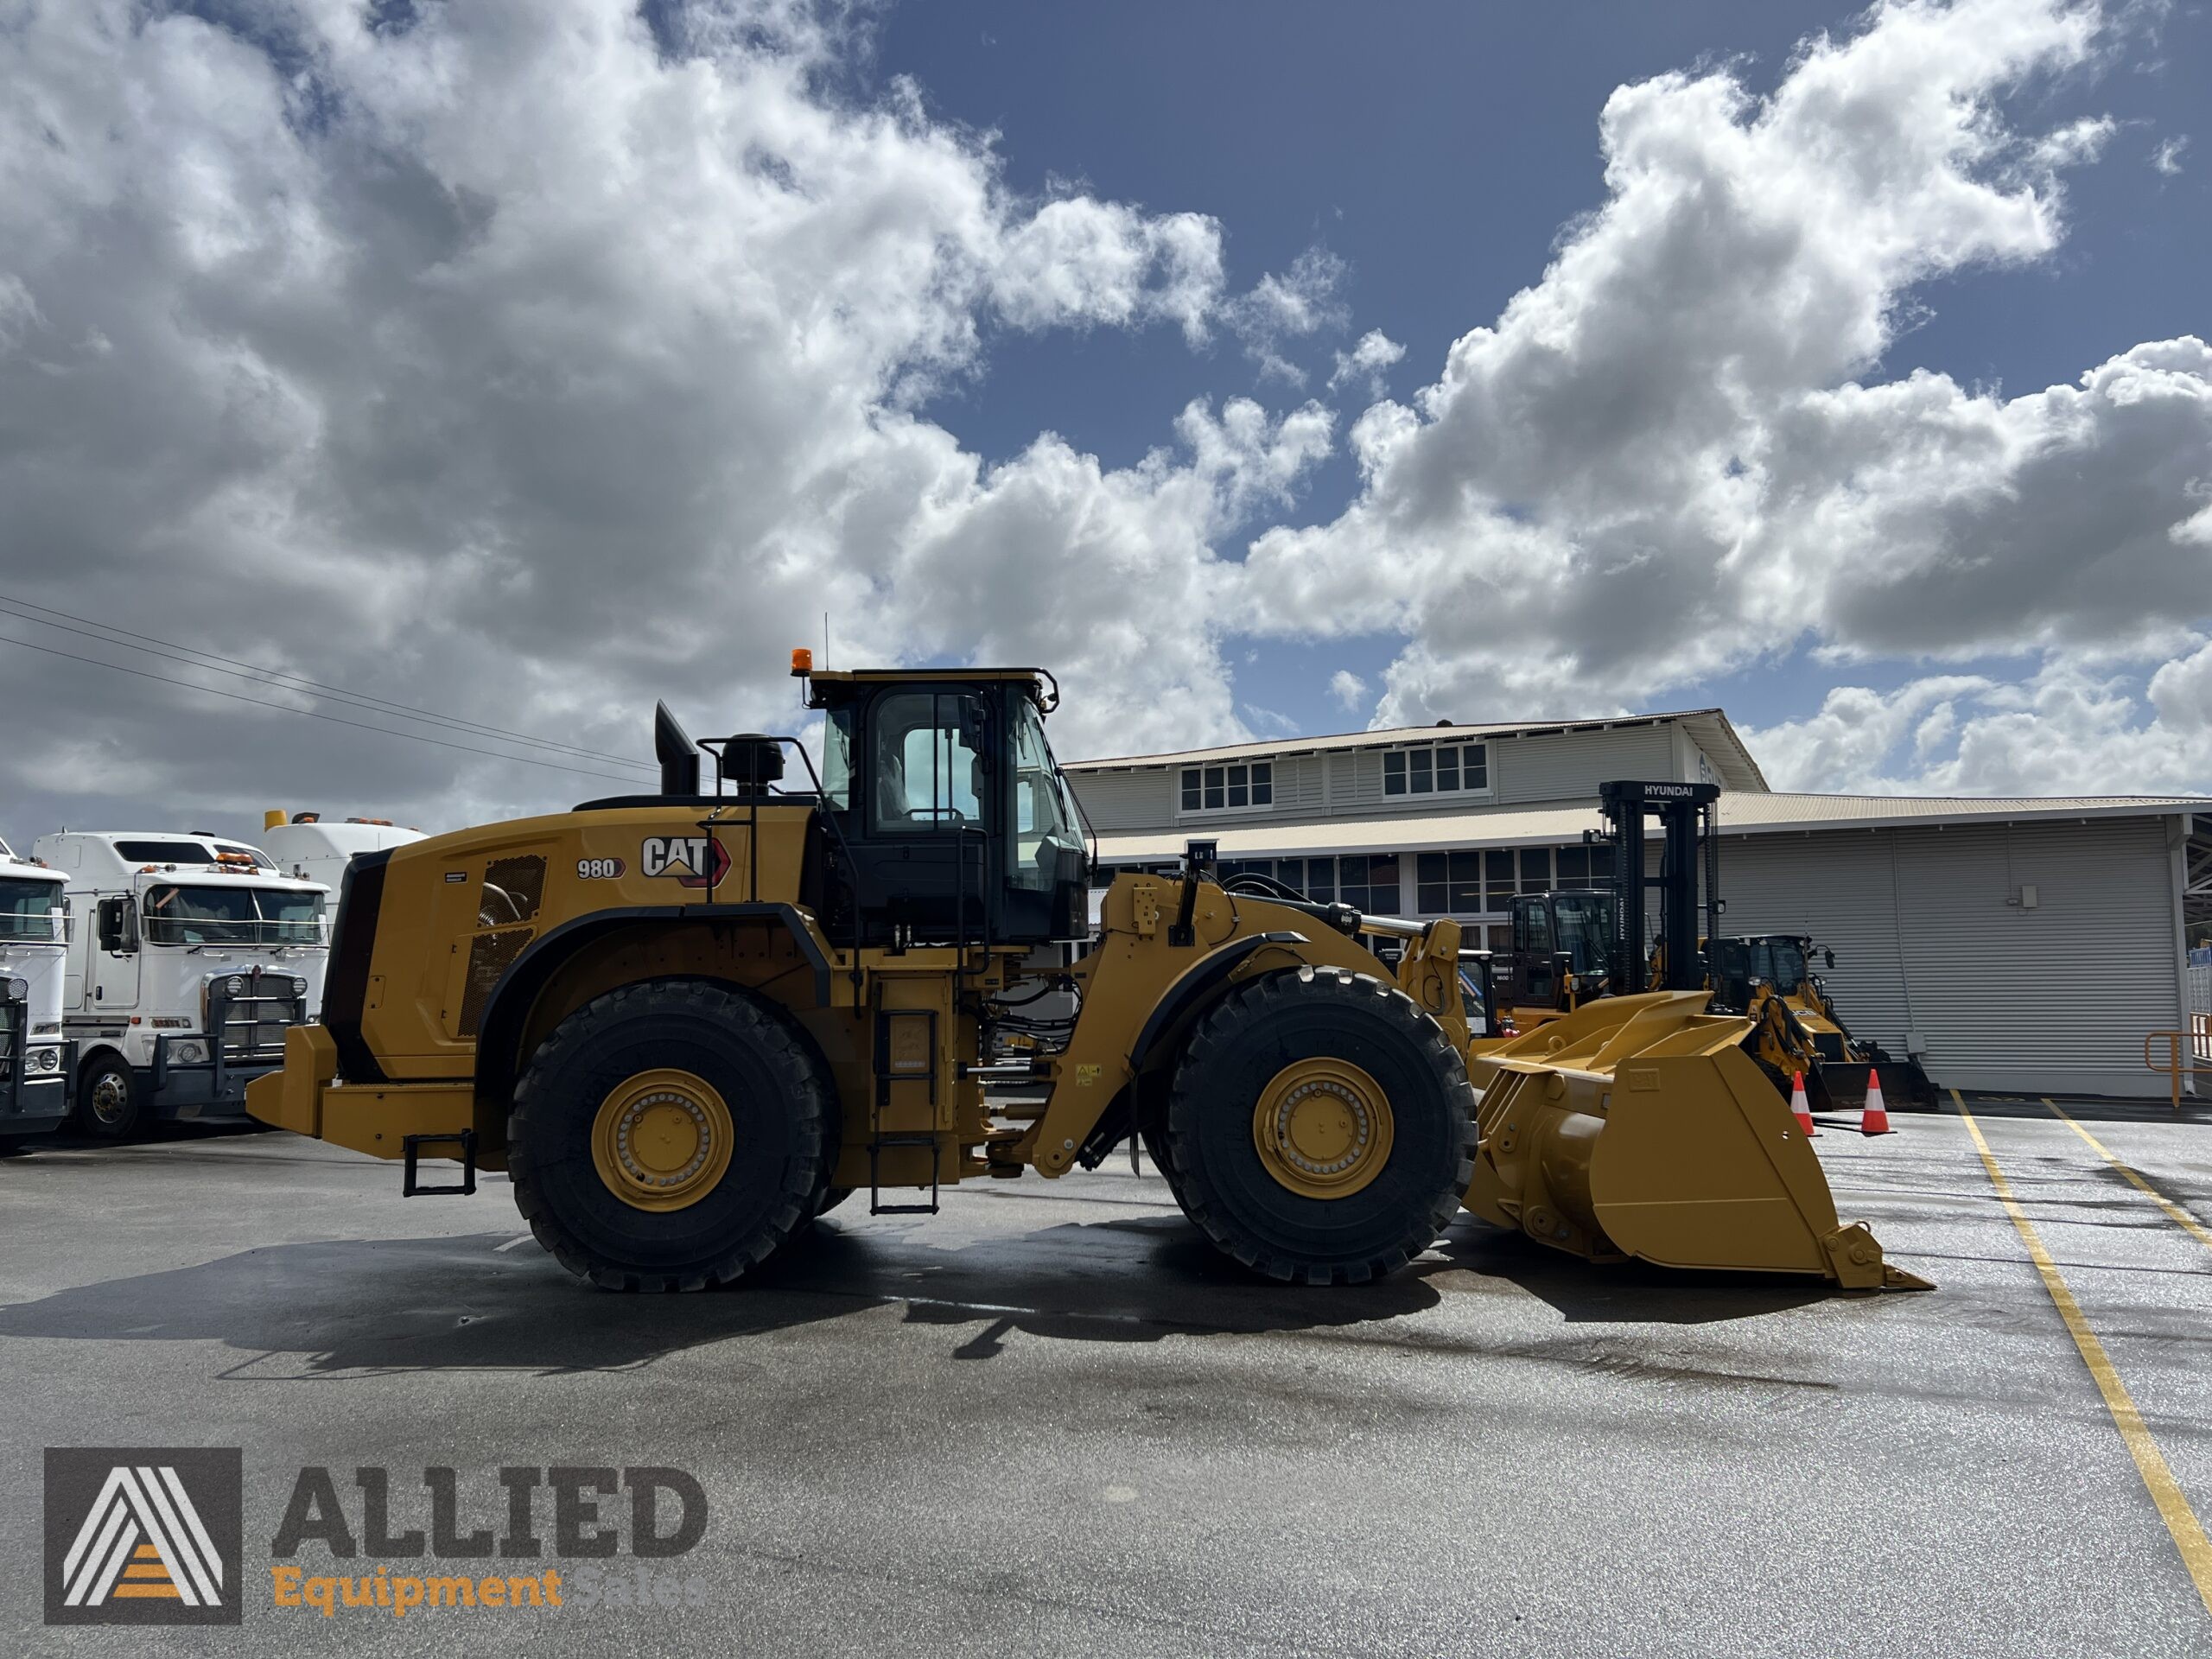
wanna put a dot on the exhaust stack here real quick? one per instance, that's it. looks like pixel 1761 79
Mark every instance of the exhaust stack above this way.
pixel 678 755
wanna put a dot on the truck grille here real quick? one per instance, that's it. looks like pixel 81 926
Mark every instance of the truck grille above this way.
pixel 250 1025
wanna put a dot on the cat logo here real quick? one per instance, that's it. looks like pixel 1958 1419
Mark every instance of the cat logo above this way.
pixel 140 1536
pixel 694 860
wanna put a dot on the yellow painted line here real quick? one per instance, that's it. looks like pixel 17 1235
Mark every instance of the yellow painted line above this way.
pixel 2181 1521
pixel 2180 1218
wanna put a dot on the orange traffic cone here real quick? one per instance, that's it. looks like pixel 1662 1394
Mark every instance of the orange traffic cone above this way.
pixel 1875 1120
pixel 1800 1105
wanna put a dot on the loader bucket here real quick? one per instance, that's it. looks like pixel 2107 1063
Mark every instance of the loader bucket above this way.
pixel 1639 1127
pixel 1838 1086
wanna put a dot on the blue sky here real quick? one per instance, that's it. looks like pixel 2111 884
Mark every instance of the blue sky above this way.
pixel 525 362
pixel 1438 149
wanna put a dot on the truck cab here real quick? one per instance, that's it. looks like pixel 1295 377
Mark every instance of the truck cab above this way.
pixel 190 957
pixel 34 1069
pixel 309 847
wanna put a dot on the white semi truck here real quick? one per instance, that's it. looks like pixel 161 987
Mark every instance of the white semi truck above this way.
pixel 316 848
pixel 191 956
pixel 34 1069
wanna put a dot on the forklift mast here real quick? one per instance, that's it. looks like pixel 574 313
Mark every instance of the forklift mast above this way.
pixel 1686 812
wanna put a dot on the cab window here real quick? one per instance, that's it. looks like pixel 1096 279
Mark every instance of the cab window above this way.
pixel 1535 922
pixel 1044 814
pixel 925 761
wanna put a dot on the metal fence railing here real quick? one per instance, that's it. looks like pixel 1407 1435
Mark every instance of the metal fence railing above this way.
pixel 2181 1054
pixel 2200 987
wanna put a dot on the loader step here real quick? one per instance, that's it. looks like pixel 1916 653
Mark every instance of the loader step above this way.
pixel 410 1183
pixel 876 1206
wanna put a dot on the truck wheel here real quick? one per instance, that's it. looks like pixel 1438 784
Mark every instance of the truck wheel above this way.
pixel 1321 1126
pixel 110 1104
pixel 672 1135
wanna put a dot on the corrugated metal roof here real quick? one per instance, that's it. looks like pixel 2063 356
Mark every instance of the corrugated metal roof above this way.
pixel 1710 727
pixel 1741 811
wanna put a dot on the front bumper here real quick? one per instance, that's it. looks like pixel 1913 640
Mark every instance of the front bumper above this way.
pixel 32 1102
pixel 210 1091
pixel 305 1096
pixel 36 1105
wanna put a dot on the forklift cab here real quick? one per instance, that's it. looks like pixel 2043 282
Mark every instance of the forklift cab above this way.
pixel 956 822
pixel 1562 946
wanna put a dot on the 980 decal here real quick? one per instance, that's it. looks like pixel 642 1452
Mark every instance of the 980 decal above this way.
pixel 599 870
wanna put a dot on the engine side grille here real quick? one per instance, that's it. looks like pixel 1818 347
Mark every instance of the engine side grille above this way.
pixel 490 955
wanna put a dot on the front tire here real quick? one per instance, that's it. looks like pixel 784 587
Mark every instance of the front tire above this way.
pixel 1321 1126
pixel 672 1135
pixel 110 1106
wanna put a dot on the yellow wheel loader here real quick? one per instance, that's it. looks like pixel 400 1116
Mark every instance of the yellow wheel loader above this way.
pixel 1795 1028
pixel 686 1023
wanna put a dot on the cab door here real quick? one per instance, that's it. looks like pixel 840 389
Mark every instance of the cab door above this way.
pixel 919 834
pixel 1531 978
pixel 114 954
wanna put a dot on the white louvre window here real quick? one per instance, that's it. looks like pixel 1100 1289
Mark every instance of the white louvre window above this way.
pixel 1227 789
pixel 1438 769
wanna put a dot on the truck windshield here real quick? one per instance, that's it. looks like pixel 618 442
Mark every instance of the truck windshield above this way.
pixel 31 911
pixel 227 915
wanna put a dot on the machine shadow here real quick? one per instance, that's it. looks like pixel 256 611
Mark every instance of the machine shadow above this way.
pixel 349 1308
pixel 1620 1292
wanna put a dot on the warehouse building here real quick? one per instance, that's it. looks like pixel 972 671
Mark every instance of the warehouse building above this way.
pixel 2020 945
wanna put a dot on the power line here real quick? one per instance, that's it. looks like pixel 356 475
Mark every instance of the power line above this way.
pixel 358 699
pixel 314 713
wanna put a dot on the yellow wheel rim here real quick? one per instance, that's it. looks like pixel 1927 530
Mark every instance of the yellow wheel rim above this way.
pixel 662 1139
pixel 1322 1128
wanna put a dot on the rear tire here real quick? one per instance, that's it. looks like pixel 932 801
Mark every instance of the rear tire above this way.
pixel 725 1078
pixel 110 1104
pixel 1409 1150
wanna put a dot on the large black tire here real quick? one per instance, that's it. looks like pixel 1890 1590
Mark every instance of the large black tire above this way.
pixel 782 1103
pixel 110 1106
pixel 1239 1048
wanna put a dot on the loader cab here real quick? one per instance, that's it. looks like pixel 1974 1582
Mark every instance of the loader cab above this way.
pixel 1562 945
pixel 1780 961
pixel 1729 963
pixel 947 803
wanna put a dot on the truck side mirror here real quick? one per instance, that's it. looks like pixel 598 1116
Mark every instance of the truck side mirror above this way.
pixel 1830 958
pixel 109 924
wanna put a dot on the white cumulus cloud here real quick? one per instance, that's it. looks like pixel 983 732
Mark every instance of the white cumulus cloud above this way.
pixel 507 359
pixel 1677 454
pixel 1362 367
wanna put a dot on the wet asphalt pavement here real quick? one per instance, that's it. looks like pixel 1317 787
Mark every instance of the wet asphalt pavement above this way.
pixel 1049 1420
